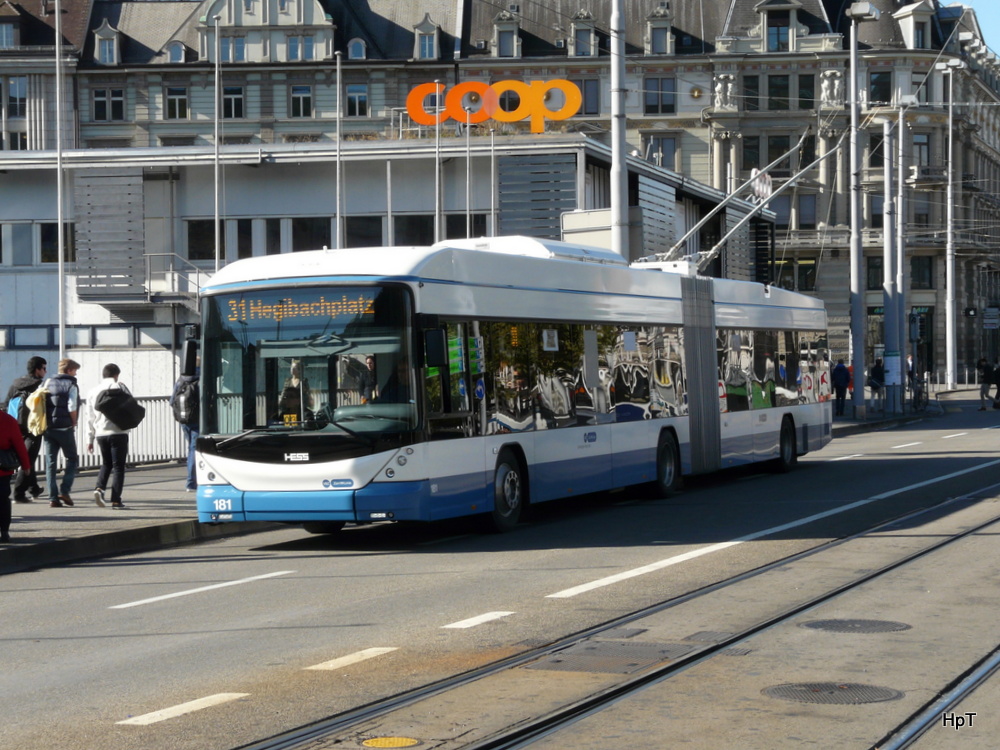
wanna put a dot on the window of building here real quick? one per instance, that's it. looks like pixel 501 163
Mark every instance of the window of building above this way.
pixel 782 207
pixel 751 93
pixel 778 27
pixel 109 104
pixel 777 92
pixel 232 48
pixel 293 48
pixel 272 236
pixel 301 104
pixel 807 91
pixel 878 211
pixel 49 242
pixel 283 6
pixel 506 43
pixel 175 53
pixel 919 86
pixel 659 40
pixel 663 150
pixel 357 49
pixel 308 48
pixel 18 141
pixel 873 272
pixel 244 238
pixel 357 100
pixel 751 152
pixel 177 103
pixel 6 35
pixel 248 6
pixel 920 36
pixel 590 89
pixel 805 275
pixel 233 100
pixel 201 239
pixel 456 226
pixel 661 96
pixel 415 229
pixel 778 146
pixel 17 96
pixel 807 152
pixel 807 211
pixel 426 47
pixel 363 231
pixel 876 153
pixel 106 52
pixel 922 149
pixel 879 88
pixel 584 42
pixel 310 233
pixel 922 272
pixel 921 203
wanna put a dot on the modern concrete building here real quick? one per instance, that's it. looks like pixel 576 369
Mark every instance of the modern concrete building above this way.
pixel 285 100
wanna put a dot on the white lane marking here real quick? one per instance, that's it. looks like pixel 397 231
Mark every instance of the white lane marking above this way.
pixel 906 445
pixel 957 434
pixel 479 620
pixel 183 708
pixel 359 656
pixel 844 458
pixel 199 590
pixel 585 587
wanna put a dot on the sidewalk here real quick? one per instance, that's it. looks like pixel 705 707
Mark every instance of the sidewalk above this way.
pixel 161 513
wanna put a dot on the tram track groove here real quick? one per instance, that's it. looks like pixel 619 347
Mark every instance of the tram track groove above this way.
pixel 534 729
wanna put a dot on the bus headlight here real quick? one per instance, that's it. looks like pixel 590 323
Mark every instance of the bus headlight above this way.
pixel 401 460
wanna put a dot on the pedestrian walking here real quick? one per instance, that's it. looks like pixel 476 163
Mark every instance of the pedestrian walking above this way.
pixel 112 441
pixel 841 378
pixel 984 371
pixel 10 440
pixel 876 381
pixel 186 403
pixel 61 412
pixel 26 482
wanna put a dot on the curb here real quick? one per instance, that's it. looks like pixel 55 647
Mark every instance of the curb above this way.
pixel 15 558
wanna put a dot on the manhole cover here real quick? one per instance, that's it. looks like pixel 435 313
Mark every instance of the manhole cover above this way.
pixel 849 694
pixel 857 626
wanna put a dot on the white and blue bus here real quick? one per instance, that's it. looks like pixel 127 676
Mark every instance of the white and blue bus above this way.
pixel 476 376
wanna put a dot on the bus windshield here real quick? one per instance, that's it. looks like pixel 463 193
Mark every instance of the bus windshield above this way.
pixel 317 360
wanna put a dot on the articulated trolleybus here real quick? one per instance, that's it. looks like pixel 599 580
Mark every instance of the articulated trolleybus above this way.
pixel 476 376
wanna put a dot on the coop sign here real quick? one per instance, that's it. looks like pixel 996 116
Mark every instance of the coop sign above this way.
pixel 533 100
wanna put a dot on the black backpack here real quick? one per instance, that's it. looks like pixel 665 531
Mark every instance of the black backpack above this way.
pixel 185 403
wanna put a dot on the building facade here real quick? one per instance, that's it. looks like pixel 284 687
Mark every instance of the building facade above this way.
pixel 270 106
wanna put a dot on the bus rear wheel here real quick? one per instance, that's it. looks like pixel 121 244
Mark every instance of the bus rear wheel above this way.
pixel 323 527
pixel 668 466
pixel 509 492
pixel 787 452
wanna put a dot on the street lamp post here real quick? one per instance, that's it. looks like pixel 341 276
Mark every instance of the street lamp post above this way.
pixel 215 163
pixel 468 171
pixel 858 12
pixel 948 68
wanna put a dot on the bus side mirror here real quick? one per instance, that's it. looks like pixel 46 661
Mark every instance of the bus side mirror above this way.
pixel 436 348
pixel 189 357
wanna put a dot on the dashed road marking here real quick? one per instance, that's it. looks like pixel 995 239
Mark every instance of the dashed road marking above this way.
pixel 201 589
pixel 359 656
pixel 844 458
pixel 478 620
pixel 907 445
pixel 183 708
pixel 957 434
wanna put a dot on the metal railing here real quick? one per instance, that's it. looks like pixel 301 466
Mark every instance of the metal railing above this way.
pixel 170 274
pixel 157 440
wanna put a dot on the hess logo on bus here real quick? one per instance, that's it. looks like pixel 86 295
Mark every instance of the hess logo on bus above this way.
pixel 533 100
pixel 296 456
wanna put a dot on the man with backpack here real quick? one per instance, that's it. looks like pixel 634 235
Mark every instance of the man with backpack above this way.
pixel 61 410
pixel 27 481
pixel 185 404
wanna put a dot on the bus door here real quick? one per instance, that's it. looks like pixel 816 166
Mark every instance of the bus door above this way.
pixel 455 461
pixel 735 386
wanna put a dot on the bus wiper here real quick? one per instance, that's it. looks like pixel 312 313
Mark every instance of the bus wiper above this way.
pixel 246 433
pixel 356 435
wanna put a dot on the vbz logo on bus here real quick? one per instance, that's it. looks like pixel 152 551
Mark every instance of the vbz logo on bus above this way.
pixel 590 437
pixel 531 100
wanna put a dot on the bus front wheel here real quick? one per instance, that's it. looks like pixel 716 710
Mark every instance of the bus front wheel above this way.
pixel 509 491
pixel 668 466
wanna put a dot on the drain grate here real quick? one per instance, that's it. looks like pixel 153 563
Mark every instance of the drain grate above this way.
pixel 847 694
pixel 857 626
pixel 611 657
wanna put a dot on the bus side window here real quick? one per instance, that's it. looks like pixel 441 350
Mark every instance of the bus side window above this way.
pixel 447 387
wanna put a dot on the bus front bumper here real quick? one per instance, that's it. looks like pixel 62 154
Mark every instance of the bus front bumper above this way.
pixel 389 501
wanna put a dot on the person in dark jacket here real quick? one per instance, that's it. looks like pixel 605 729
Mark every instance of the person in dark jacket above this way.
pixel 841 378
pixel 26 482
pixel 191 430
pixel 10 439
pixel 62 410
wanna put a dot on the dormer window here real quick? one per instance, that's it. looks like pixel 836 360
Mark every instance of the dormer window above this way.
pixel 175 52
pixel 7 36
pixel 778 28
pixel 506 35
pixel 584 35
pixel 915 24
pixel 106 44
pixel 357 49
pixel 283 6
pixel 425 43
pixel 778 25
pixel 248 6
pixel 659 40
